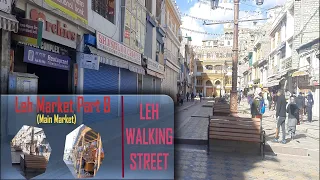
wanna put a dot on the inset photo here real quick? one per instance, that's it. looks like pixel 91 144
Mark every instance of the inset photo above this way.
pixel 30 151
pixel 83 153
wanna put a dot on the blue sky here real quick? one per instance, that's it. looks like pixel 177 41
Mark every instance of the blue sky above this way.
pixel 248 10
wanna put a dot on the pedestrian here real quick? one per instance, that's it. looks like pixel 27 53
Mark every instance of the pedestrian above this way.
pixel 187 96
pixel 293 116
pixel 275 99
pixel 41 150
pixel 37 150
pixel 256 106
pixel 181 99
pixel 200 95
pixel 287 95
pixel 281 115
pixel 269 98
pixel 178 98
pixel 310 103
pixel 300 103
pixel 192 96
pixel 265 98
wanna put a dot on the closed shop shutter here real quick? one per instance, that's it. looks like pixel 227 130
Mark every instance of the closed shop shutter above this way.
pixel 147 84
pixel 103 81
pixel 158 86
pixel 128 82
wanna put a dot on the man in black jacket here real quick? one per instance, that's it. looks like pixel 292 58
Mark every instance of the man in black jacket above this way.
pixel 300 103
pixel 281 114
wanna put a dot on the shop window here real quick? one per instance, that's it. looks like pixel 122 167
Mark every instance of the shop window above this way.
pixel 135 24
pixel 105 8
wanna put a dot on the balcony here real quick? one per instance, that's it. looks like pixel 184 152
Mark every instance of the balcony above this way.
pixel 286 63
pixel 199 85
pixel 198 73
pixel 170 57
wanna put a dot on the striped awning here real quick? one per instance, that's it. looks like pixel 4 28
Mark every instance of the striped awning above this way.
pixel 8 22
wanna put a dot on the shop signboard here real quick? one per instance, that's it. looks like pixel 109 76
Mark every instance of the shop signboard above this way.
pixel 155 66
pixel 45 58
pixel 111 46
pixel 54 28
pixel 29 32
pixel 76 9
pixel 89 61
pixel 5 6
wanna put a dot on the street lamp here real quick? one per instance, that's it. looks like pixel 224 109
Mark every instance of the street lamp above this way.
pixel 234 93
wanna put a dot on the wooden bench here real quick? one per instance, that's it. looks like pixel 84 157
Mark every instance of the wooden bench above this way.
pixel 221 109
pixel 236 129
pixel 34 163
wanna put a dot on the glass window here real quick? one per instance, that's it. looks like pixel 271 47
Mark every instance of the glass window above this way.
pixel 127 20
pixel 139 12
pixel 127 35
pixel 128 4
pixel 105 8
pixel 132 39
pixel 134 8
pixel 133 22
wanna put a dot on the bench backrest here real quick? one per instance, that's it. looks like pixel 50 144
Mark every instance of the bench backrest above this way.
pixel 235 128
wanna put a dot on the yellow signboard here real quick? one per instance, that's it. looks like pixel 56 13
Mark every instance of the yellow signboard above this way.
pixel 76 9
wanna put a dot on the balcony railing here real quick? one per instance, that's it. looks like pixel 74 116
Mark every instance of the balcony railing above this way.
pixel 169 56
pixel 286 63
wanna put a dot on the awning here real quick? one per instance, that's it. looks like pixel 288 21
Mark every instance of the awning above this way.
pixel 8 22
pixel 273 83
pixel 155 74
pixel 112 60
pixel 299 73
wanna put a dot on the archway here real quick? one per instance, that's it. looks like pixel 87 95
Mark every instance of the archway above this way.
pixel 209 88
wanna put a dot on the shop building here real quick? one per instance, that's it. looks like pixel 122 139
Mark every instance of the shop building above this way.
pixel 172 44
pixel 153 52
pixel 45 46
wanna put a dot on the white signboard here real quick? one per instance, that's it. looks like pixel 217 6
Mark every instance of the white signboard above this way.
pixel 5 6
pixel 89 61
pixel 54 29
pixel 155 66
pixel 111 46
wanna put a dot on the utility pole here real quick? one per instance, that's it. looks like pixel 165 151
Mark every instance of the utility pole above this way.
pixel 234 93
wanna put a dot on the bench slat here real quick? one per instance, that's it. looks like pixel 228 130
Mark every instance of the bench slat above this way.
pixel 245 123
pixel 235 134
pixel 234 126
pixel 235 118
pixel 235 138
pixel 246 131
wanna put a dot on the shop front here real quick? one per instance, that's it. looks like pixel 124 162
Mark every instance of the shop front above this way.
pixel 116 68
pixel 154 76
pixel 48 53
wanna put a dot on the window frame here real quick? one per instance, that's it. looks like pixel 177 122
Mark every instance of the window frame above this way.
pixel 97 6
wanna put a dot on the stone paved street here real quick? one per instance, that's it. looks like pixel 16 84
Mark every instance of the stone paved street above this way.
pixel 289 161
pixel 192 162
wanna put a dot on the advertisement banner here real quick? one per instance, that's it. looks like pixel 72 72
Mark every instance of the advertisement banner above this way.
pixel 29 32
pixel 111 46
pixel 45 58
pixel 76 9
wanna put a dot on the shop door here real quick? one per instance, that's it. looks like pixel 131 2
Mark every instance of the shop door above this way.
pixel 103 81
pixel 209 92
pixel 128 82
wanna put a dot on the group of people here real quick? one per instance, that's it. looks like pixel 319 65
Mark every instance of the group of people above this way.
pixel 40 149
pixel 189 97
pixel 289 107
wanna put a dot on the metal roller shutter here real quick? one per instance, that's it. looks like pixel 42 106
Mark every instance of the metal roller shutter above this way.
pixel 128 82
pixel 147 84
pixel 103 81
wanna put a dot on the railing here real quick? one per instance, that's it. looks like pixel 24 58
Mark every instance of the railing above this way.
pixel 286 63
pixel 169 56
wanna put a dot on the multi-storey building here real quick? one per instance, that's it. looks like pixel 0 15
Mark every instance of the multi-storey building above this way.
pixel 280 57
pixel 212 68
pixel 172 45
pixel 186 53
pixel 306 49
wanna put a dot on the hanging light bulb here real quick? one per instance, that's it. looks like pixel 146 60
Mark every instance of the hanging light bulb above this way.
pixel 259 2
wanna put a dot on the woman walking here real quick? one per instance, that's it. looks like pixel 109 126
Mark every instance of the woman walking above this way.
pixel 293 116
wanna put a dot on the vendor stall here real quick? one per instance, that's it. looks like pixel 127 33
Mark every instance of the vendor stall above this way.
pixel 88 153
